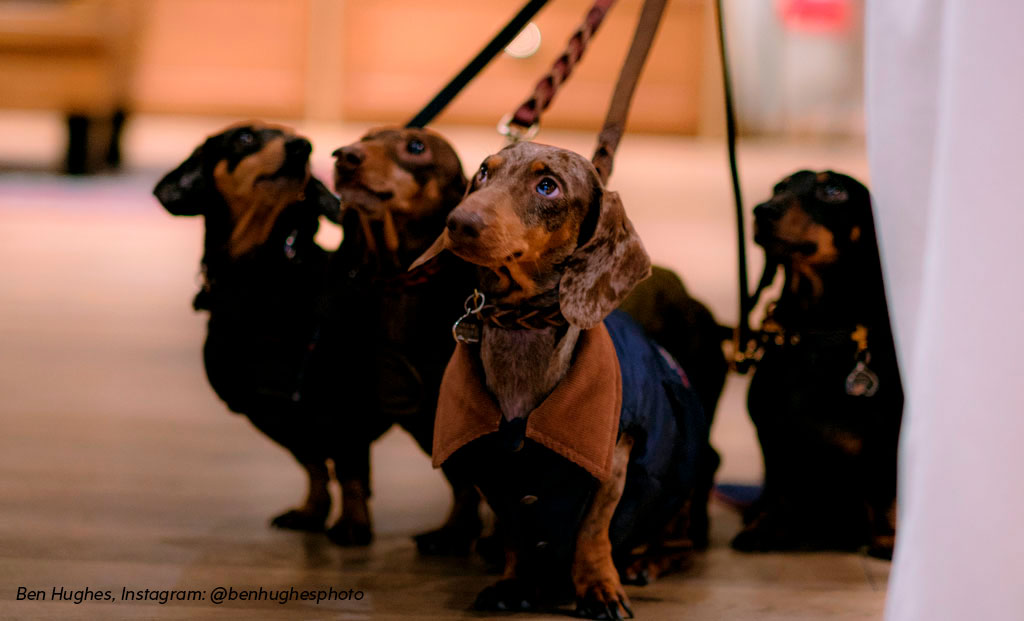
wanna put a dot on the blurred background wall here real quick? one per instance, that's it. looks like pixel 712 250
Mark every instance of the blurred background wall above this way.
pixel 796 62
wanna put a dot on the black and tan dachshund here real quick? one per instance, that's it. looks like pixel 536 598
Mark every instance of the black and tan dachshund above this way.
pixel 267 352
pixel 826 396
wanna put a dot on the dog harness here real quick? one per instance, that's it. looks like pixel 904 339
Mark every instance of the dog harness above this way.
pixel 540 473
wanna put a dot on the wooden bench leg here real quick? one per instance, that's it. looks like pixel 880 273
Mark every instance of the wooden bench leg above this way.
pixel 94 143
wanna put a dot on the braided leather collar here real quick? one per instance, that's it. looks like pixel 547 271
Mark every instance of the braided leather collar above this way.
pixel 517 318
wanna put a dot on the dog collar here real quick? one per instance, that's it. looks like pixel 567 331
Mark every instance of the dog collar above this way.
pixel 466 328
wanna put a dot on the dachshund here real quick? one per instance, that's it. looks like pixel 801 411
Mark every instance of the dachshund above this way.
pixel 397 187
pixel 581 434
pixel 826 396
pixel 263 284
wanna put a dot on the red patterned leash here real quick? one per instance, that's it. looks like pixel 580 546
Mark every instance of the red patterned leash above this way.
pixel 523 124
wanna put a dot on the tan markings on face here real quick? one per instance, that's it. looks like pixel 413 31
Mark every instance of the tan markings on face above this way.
pixel 855 234
pixel 821 177
pixel 537 166
pixel 494 161
pixel 826 252
pixel 254 197
pixel 796 227
pixel 380 173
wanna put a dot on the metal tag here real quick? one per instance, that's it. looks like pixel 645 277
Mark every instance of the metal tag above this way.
pixel 862 381
pixel 467 328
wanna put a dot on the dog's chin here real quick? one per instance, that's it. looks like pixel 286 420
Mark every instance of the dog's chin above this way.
pixel 370 203
pixel 473 253
pixel 785 250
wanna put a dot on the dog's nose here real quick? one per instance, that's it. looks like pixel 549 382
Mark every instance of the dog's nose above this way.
pixel 462 223
pixel 348 158
pixel 768 211
pixel 298 148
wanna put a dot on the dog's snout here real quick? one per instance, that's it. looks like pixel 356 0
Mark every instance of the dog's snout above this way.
pixel 462 223
pixel 298 148
pixel 349 158
pixel 768 211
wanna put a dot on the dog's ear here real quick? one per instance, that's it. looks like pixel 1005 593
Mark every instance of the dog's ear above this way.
pixel 327 204
pixel 182 191
pixel 440 245
pixel 605 267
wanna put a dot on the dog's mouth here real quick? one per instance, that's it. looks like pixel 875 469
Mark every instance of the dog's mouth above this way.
pixel 291 169
pixel 781 246
pixel 368 201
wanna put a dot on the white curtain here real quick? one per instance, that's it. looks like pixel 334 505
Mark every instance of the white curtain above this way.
pixel 945 107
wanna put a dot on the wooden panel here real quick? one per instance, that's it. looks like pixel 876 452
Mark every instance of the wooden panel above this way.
pixel 224 57
pixel 399 53
pixel 73 56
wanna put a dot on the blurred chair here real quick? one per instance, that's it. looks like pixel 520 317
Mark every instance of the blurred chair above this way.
pixel 76 57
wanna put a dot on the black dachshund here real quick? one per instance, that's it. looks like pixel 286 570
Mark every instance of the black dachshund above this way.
pixel 826 397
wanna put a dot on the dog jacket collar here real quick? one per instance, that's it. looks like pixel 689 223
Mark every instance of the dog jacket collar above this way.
pixel 579 420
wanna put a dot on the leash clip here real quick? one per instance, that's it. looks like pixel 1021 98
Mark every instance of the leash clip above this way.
pixel 467 328
pixel 515 133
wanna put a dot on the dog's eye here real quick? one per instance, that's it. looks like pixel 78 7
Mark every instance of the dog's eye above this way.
pixel 482 174
pixel 415 147
pixel 246 139
pixel 547 187
pixel 833 194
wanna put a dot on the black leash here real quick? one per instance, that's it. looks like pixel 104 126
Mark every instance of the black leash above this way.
pixel 475 66
pixel 742 335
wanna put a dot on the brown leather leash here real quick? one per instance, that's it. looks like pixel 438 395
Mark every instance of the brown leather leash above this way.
pixel 629 76
pixel 524 122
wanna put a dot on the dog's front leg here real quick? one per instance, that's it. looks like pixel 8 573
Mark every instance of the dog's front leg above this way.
pixel 599 592
pixel 352 469
pixel 313 513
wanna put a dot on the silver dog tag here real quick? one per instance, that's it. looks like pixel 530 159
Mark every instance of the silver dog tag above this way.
pixel 467 328
pixel 862 381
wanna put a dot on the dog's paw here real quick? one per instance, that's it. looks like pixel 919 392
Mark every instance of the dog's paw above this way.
pixel 349 533
pixel 446 541
pixel 604 599
pixel 297 519
pixel 765 533
pixel 509 595
pixel 492 550
pixel 881 546
pixel 647 567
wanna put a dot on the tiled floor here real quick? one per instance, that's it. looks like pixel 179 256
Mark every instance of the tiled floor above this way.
pixel 119 468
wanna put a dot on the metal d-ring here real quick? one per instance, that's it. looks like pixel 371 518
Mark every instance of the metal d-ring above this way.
pixel 514 133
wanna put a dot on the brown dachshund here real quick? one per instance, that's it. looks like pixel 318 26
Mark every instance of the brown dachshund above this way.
pixel 581 433
pixel 264 287
pixel 397 187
